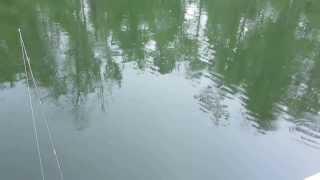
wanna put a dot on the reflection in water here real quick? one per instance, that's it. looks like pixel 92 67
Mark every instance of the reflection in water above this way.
pixel 266 52
pixel 308 131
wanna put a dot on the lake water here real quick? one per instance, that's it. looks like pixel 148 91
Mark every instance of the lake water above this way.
pixel 161 89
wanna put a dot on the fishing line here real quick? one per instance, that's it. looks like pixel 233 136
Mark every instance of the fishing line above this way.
pixel 27 59
pixel 34 124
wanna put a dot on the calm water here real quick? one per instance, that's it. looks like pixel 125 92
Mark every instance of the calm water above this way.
pixel 162 89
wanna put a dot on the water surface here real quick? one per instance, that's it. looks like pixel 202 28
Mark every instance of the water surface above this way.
pixel 162 89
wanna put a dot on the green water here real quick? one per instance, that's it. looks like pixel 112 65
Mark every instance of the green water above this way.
pixel 162 89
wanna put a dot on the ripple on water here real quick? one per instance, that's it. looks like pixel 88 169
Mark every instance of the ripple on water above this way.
pixel 307 130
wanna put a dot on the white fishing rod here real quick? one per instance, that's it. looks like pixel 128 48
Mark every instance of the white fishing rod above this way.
pixel 27 60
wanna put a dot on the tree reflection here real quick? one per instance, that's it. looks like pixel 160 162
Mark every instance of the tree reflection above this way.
pixel 267 51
